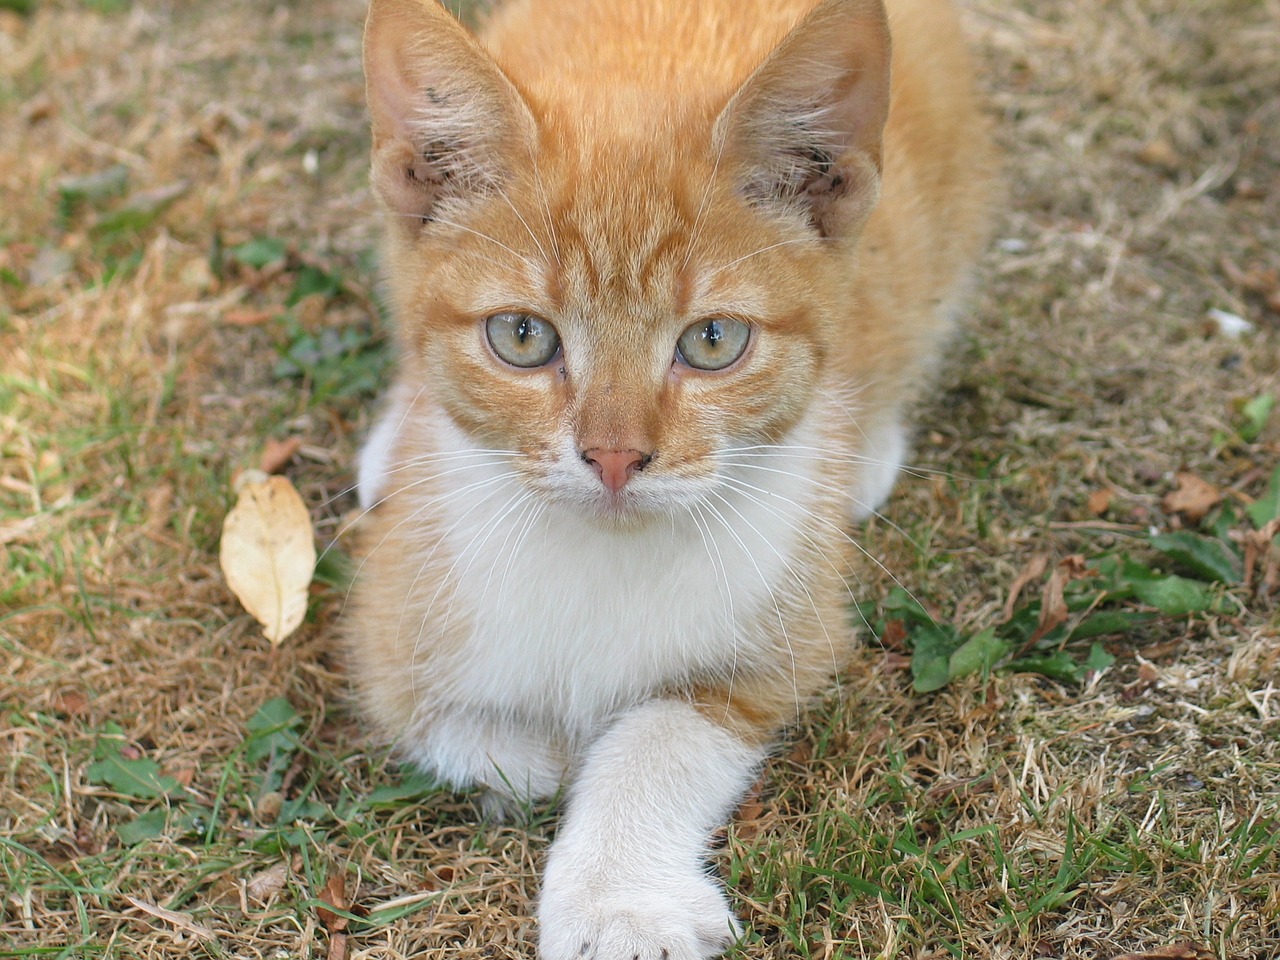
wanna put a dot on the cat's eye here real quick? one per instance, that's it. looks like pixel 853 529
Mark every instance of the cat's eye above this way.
pixel 713 343
pixel 521 339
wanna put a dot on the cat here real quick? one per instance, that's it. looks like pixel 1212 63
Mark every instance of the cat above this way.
pixel 666 276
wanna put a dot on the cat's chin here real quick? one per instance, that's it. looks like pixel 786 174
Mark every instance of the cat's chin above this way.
pixel 622 512
pixel 626 510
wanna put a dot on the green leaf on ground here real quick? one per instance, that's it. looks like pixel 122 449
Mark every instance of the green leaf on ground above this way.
pixel 1204 556
pixel 413 786
pixel 1104 622
pixel 931 650
pixel 141 210
pixel 1256 412
pixel 334 569
pixel 314 280
pixel 1058 665
pixel 980 653
pixel 163 822
pixel 1267 507
pixel 259 251
pixel 92 187
pixel 1098 659
pixel 274 736
pixel 1175 596
pixel 273 729
pixel 138 778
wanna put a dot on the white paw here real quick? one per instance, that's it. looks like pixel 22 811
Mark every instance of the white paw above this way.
pixel 688 919
pixel 883 450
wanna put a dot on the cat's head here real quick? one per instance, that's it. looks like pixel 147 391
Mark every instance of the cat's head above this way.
pixel 622 292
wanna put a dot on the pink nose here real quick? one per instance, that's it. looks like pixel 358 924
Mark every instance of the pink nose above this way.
pixel 615 466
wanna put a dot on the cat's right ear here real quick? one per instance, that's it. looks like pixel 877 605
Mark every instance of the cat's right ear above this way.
pixel 446 120
pixel 806 127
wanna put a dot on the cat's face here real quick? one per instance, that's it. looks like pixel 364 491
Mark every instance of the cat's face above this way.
pixel 621 304
pixel 618 357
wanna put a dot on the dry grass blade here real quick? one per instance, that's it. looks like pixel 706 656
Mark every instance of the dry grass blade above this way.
pixel 1176 951
pixel 174 918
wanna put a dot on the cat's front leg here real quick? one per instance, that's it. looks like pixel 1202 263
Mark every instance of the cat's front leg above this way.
pixel 626 877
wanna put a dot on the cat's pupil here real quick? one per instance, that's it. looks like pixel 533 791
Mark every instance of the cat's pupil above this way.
pixel 713 334
pixel 522 331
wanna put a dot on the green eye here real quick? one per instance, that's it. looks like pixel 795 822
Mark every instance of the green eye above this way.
pixel 714 343
pixel 522 339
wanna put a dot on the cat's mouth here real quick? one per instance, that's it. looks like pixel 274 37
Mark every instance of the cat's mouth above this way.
pixel 624 508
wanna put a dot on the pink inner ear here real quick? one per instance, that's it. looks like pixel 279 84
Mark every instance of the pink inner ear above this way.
pixel 808 122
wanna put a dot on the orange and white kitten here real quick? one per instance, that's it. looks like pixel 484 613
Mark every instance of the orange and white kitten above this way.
pixel 665 275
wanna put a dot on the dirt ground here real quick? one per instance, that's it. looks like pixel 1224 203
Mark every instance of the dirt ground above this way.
pixel 188 271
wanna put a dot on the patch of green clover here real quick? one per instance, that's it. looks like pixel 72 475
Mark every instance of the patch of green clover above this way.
pixel 1175 575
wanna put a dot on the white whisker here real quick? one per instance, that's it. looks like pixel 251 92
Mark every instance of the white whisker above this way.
pixel 839 530
pixel 755 253
pixel 782 624
pixel 722 576
pixel 409 465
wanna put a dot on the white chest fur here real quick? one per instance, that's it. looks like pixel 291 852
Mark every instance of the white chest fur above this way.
pixel 573 620
pixel 569 619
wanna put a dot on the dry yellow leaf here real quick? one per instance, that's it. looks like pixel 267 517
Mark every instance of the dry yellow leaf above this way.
pixel 268 554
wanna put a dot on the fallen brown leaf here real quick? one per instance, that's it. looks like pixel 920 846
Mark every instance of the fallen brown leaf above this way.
pixel 747 823
pixel 268 554
pixel 1053 608
pixel 334 893
pixel 1147 677
pixel 276 454
pixel 1159 153
pixel 73 703
pixel 250 318
pixel 1193 497
pixel 1099 502
pixel 159 506
pixel 1034 570
pixel 267 809
pixel 894 636
pixel 265 884
pixel 1258 546
pixel 1162 649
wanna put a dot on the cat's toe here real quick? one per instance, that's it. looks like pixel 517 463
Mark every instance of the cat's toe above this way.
pixel 692 924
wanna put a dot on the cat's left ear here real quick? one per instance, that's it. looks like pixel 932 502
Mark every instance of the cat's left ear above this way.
pixel 805 129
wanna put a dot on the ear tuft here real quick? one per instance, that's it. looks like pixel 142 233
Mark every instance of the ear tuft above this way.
pixel 447 123
pixel 806 127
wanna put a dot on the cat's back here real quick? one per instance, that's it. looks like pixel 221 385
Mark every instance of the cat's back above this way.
pixel 678 53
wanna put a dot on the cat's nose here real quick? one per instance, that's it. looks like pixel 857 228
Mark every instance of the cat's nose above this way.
pixel 615 467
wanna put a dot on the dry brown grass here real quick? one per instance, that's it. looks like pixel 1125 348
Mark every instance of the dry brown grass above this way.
pixel 1143 145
